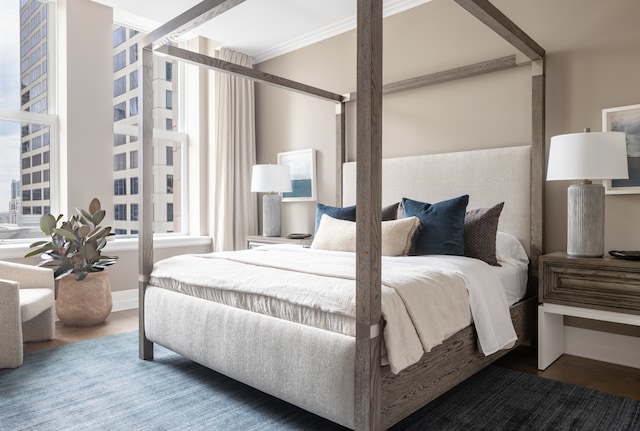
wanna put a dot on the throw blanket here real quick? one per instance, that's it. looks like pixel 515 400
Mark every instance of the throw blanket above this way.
pixel 421 305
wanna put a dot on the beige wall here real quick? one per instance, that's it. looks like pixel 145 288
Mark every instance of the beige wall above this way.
pixel 593 63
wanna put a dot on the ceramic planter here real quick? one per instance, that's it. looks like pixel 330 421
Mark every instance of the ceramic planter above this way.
pixel 86 302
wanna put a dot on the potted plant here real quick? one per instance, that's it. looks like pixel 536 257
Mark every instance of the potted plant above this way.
pixel 76 248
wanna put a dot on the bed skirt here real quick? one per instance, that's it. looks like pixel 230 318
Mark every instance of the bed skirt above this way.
pixel 305 366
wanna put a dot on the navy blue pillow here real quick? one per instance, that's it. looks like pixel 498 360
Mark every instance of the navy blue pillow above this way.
pixel 442 230
pixel 346 213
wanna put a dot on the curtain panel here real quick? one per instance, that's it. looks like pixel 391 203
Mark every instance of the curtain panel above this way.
pixel 235 207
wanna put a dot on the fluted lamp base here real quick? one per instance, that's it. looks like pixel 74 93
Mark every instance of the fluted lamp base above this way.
pixel 271 214
pixel 585 211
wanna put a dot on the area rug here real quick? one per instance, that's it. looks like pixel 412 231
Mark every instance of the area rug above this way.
pixel 102 385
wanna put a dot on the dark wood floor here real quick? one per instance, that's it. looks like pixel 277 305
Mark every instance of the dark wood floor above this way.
pixel 602 376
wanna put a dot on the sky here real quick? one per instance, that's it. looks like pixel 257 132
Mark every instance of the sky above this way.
pixel 9 97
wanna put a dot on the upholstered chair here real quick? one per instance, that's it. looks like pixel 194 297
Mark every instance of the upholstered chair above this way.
pixel 26 309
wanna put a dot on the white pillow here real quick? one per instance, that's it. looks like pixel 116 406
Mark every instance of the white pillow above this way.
pixel 509 248
pixel 340 235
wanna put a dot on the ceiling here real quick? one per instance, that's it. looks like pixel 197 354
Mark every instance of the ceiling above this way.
pixel 261 28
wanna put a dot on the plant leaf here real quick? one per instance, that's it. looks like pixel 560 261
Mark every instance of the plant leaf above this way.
pixel 84 231
pixel 94 205
pixel 66 234
pixel 98 216
pixel 48 223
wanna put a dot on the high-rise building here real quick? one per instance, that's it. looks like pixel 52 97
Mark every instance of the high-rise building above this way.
pixel 166 154
pixel 34 194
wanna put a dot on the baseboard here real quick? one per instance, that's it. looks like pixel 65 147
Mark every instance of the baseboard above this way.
pixel 602 346
pixel 124 299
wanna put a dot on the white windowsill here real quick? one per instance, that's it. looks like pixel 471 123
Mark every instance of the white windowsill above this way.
pixel 17 250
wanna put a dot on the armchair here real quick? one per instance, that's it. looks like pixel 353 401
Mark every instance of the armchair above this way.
pixel 26 309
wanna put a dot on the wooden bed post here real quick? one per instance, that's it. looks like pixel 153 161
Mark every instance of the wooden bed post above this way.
pixel 145 235
pixel 369 204
pixel 341 147
pixel 537 160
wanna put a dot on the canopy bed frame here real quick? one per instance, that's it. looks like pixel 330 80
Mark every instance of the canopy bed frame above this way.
pixel 381 399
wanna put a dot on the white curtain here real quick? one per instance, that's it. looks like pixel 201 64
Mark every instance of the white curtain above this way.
pixel 235 207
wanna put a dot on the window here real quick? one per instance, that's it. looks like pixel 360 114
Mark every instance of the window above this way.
pixel 169 152
pixel 133 106
pixel 120 231
pixel 168 67
pixel 26 146
pixel 166 134
pixel 133 159
pixel 36 195
pixel 133 53
pixel 133 80
pixel 119 86
pixel 169 212
pixel 26 210
pixel 45 157
pixel 119 36
pixel 45 194
pixel 169 184
pixel 120 162
pixel 26 179
pixel 26 195
pixel 36 160
pixel 120 187
pixel 37 210
pixel 26 162
pixel 134 185
pixel 169 97
pixel 46 176
pixel 120 111
pixel 36 177
pixel 120 212
pixel 119 139
pixel 119 61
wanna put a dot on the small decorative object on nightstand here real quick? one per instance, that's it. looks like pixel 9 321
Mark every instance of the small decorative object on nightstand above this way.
pixel 254 241
pixel 604 289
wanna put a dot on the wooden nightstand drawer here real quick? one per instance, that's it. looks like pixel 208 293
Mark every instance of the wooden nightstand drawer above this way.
pixel 598 283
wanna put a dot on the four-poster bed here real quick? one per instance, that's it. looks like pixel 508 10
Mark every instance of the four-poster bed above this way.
pixel 378 397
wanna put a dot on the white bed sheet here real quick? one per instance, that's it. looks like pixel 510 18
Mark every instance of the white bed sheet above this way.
pixel 193 281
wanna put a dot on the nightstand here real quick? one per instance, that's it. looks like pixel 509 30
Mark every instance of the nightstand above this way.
pixel 258 240
pixel 605 289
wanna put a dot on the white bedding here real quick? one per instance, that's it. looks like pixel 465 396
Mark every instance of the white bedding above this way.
pixel 321 287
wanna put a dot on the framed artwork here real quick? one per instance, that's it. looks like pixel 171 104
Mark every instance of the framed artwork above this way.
pixel 302 165
pixel 625 119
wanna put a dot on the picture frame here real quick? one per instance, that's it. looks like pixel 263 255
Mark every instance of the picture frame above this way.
pixel 302 164
pixel 625 119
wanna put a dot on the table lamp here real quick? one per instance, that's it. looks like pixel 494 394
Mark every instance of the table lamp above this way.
pixel 271 180
pixel 587 156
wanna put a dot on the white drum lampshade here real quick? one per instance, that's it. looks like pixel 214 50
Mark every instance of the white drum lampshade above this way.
pixel 586 157
pixel 272 180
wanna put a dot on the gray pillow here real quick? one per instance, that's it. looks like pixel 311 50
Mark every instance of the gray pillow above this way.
pixel 480 230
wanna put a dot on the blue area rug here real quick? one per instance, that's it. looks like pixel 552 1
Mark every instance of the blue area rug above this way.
pixel 102 385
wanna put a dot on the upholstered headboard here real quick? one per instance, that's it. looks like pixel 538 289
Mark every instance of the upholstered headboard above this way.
pixel 487 176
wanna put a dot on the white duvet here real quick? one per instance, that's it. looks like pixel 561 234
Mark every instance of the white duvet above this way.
pixel 425 299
